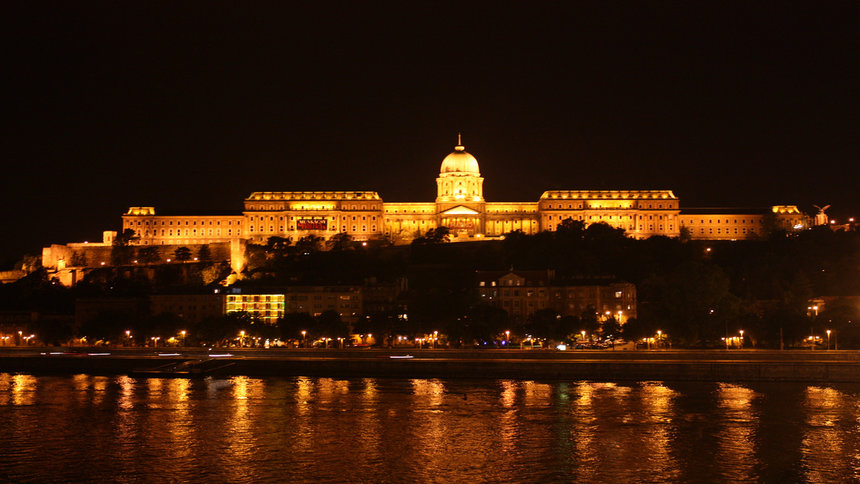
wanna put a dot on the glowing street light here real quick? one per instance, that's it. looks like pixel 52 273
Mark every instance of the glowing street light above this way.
pixel 828 339
pixel 742 338
pixel 507 337
pixel 303 338
pixel 183 337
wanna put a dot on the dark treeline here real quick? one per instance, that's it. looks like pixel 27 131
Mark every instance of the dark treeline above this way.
pixel 695 292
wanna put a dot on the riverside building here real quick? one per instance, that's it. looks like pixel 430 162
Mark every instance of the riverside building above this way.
pixel 460 206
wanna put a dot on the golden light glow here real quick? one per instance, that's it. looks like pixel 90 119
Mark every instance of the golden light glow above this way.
pixel 141 211
pixel 312 206
pixel 364 216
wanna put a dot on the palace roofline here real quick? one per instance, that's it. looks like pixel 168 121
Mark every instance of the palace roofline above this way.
pixel 316 195
pixel 725 210
pixel 619 194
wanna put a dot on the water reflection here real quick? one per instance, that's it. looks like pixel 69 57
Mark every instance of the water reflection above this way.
pixel 428 430
pixel 23 389
pixel 509 434
pixel 368 429
pixel 429 423
pixel 831 446
pixel 736 439
pixel 241 428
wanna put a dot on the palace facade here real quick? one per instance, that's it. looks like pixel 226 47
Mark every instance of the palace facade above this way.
pixel 460 206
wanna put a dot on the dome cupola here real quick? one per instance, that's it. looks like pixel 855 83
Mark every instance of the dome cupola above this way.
pixel 459 178
pixel 460 161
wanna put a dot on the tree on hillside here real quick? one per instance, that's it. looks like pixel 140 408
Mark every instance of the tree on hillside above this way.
pixel 482 323
pixel 330 325
pixel 589 321
pixel 52 332
pixel 204 254
pixel 277 247
pixel 108 326
pixel 636 329
pixel 684 301
pixel 610 328
pixel 182 254
pixel 29 263
pixel 121 252
pixel 385 325
pixel 148 255
pixel 308 244
pixel 439 235
pixel 603 232
pixel 340 241
pixel 685 234
pixel 219 330
pixel 570 228
pixel 543 323
pixel 292 325
pixel 78 259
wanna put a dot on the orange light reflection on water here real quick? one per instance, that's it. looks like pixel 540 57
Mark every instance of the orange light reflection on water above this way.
pixel 736 439
pixel 826 453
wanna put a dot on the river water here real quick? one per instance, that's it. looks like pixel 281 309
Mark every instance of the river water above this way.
pixel 241 429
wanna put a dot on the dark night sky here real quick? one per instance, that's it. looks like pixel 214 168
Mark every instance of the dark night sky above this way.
pixel 193 106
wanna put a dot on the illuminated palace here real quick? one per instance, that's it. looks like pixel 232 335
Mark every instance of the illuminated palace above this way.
pixel 459 206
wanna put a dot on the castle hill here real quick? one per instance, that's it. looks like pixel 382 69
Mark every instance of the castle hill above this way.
pixel 604 278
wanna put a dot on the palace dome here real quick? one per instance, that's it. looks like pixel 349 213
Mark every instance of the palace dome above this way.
pixel 460 161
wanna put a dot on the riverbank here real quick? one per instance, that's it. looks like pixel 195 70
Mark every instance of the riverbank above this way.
pixel 676 365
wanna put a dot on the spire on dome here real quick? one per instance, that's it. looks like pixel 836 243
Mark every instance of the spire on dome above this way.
pixel 459 146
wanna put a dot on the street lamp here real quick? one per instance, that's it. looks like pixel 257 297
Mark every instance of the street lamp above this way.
pixel 507 337
pixel 812 329
pixel 742 339
pixel 183 337
pixel 828 339
pixel 242 338
pixel 659 337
